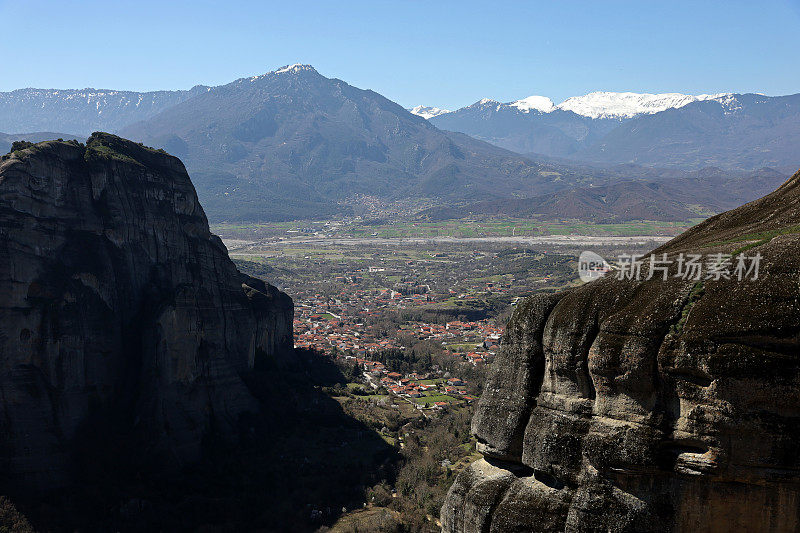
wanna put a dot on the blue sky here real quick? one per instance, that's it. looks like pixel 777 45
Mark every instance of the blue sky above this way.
pixel 442 53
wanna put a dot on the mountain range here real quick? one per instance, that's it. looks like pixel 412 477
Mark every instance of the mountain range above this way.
pixel 79 112
pixel 694 194
pixel 598 104
pixel 6 140
pixel 293 143
pixel 734 131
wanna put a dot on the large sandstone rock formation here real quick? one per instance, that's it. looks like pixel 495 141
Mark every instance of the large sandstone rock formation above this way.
pixel 655 405
pixel 117 303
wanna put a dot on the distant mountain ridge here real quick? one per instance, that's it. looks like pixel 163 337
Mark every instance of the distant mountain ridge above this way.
pixel 744 131
pixel 7 139
pixel 82 111
pixel 292 143
pixel 599 104
pixel 629 105
pixel 426 111
pixel 735 131
pixel 690 196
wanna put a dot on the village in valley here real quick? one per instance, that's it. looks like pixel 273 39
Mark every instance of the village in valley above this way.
pixel 421 319
pixel 406 329
pixel 342 330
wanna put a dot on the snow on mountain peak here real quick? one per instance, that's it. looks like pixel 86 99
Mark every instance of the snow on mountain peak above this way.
pixel 297 67
pixel 726 99
pixel 628 105
pixel 427 112
pixel 535 103
pixel 600 104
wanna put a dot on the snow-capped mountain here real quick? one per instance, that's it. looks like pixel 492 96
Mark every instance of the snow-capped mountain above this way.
pixel 82 111
pixel 672 129
pixel 297 67
pixel 628 105
pixel 427 111
pixel 288 69
pixel 534 103
pixel 293 143
pixel 541 104
pixel 593 105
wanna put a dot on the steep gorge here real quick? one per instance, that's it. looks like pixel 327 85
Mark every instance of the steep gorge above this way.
pixel 650 405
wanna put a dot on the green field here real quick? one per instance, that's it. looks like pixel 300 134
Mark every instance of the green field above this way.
pixel 433 398
pixel 462 347
pixel 431 381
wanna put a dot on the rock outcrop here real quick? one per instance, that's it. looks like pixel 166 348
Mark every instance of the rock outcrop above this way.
pixel 118 304
pixel 650 405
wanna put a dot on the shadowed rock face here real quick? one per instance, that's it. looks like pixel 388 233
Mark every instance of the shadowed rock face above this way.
pixel 653 405
pixel 117 304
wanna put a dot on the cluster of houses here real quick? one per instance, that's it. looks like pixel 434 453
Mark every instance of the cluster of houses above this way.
pixel 481 332
pixel 485 335
pixel 412 386
pixel 344 325
pixel 339 326
pixel 476 358
pixel 327 324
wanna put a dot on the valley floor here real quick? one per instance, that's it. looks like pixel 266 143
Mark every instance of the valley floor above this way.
pixel 413 324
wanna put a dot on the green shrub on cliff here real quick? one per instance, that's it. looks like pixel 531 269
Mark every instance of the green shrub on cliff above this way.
pixel 21 145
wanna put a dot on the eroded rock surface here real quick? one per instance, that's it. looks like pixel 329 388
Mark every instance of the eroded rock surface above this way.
pixel 117 303
pixel 650 405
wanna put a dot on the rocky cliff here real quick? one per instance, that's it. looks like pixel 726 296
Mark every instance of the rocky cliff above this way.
pixel 119 308
pixel 650 405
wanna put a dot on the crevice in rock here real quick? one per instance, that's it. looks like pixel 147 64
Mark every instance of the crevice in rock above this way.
pixel 524 348
pixel 695 376
pixel 695 293
pixel 786 346
pixel 582 374
pixel 549 480
pixel 680 446
pixel 487 524
pixel 537 374
pixel 517 469
pixel 670 452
